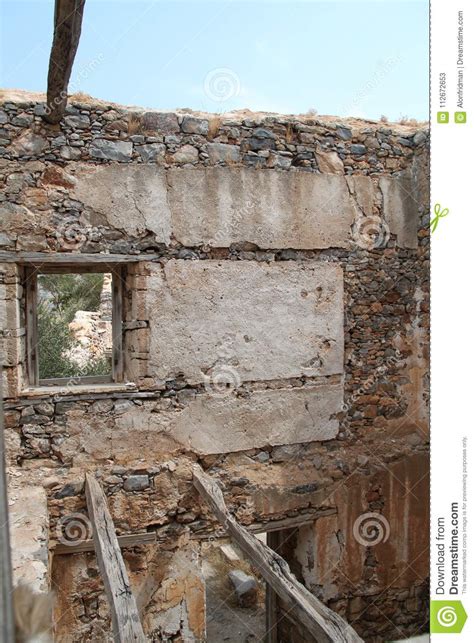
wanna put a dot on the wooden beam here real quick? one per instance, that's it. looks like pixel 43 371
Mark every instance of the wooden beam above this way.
pixel 132 540
pixel 118 280
pixel 67 30
pixel 80 260
pixel 290 522
pixel 318 620
pixel 7 633
pixel 128 540
pixel 125 617
pixel 31 320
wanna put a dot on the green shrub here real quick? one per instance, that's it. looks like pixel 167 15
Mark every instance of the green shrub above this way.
pixel 60 297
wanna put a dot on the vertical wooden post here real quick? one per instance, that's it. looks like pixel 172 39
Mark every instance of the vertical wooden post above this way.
pixel 6 611
pixel 117 326
pixel 31 294
pixel 271 598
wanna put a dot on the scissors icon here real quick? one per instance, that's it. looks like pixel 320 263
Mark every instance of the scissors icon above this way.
pixel 439 214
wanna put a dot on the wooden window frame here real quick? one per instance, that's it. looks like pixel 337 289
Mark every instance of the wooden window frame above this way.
pixel 31 273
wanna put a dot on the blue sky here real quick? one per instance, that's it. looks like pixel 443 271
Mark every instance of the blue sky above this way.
pixel 344 58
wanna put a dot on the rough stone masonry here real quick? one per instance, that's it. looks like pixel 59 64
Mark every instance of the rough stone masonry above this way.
pixel 277 334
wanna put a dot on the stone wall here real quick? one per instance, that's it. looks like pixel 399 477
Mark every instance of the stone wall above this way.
pixel 278 335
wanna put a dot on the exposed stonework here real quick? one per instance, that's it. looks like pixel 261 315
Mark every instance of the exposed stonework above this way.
pixel 104 132
pixel 167 584
pixel 295 398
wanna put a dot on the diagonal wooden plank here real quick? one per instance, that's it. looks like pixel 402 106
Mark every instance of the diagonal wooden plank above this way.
pixel 322 623
pixel 125 617
pixel 67 31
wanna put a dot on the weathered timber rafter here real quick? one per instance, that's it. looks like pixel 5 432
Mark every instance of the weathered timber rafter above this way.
pixel 322 623
pixel 67 30
pixel 125 617
pixel 132 540
pixel 129 540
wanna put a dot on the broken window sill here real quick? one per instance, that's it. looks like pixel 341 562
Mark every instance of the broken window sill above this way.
pixel 93 389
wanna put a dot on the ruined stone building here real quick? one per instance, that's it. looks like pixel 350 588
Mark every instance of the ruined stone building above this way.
pixel 270 318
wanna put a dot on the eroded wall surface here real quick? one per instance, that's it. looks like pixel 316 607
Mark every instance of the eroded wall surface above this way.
pixel 277 334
